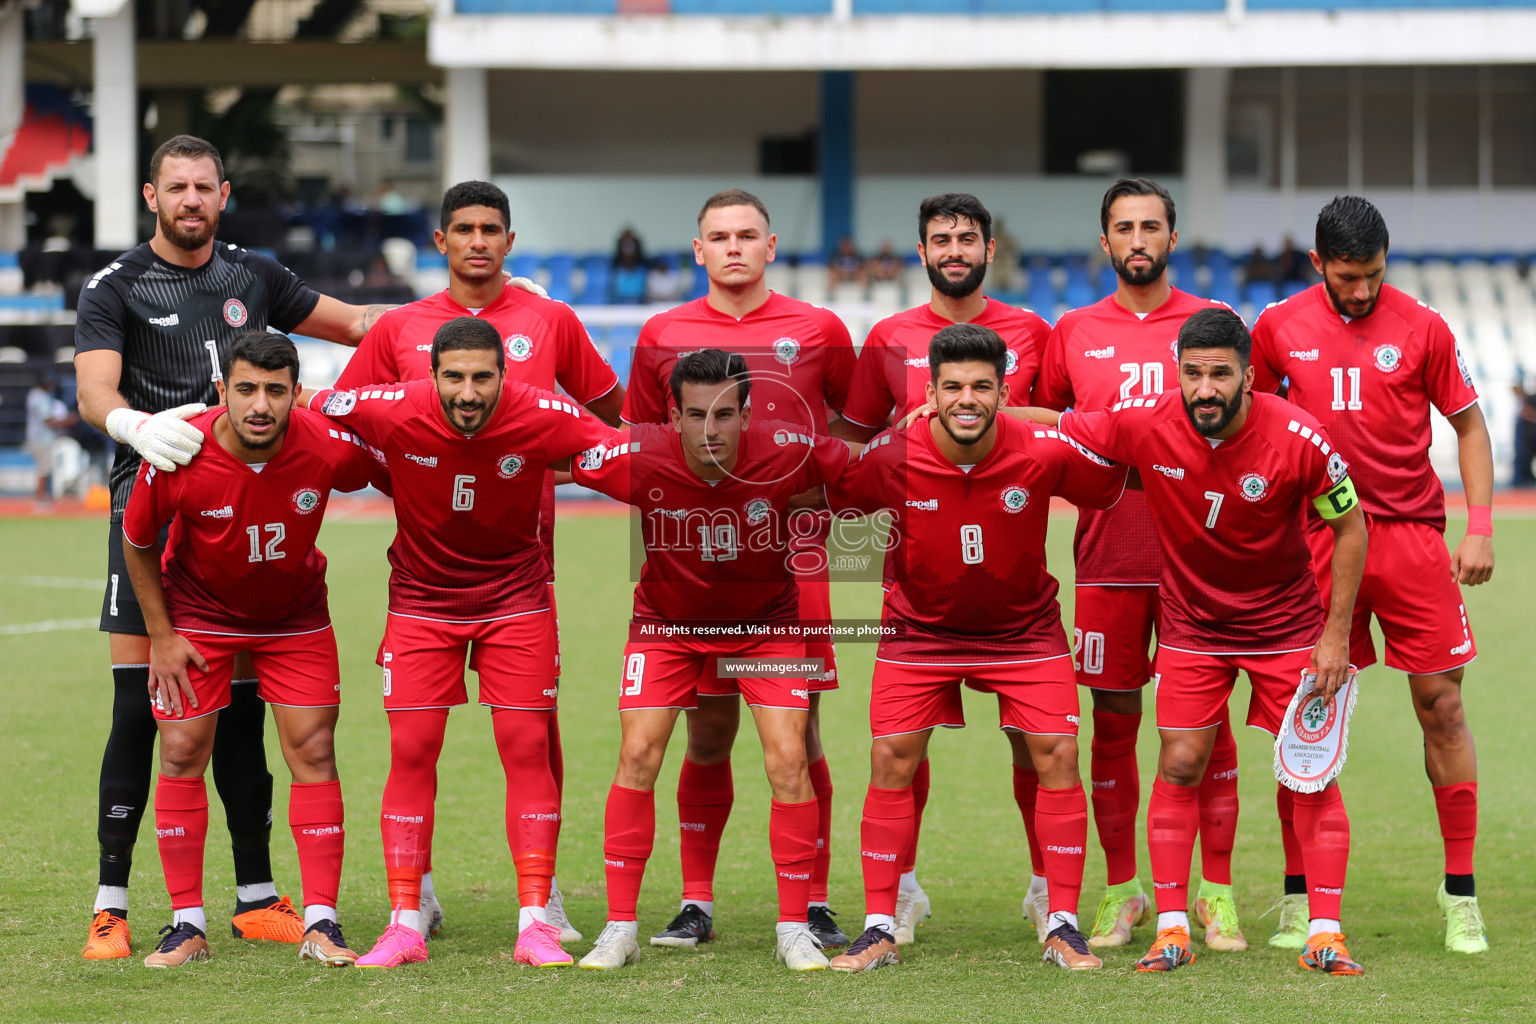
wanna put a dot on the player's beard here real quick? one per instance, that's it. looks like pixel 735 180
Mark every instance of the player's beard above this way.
pixel 988 417
pixel 1146 275
pixel 184 239
pixel 966 286
pixel 259 444
pixel 1229 410
pixel 458 413
pixel 1343 309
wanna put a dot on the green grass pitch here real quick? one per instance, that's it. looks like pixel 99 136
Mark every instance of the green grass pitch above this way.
pixel 975 960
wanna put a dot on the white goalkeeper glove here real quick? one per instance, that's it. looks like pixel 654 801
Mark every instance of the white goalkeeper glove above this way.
pixel 164 439
pixel 528 284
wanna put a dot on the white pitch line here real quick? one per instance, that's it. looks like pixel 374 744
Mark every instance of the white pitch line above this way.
pixel 58 582
pixel 50 626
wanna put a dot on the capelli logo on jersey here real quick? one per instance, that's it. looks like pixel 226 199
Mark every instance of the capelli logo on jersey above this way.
pixel 918 361
pixel 802 694
pixel 227 512
pixel 927 505
pixel 1309 356
pixel 1100 353
pixel 165 321
pixel 1171 472
pixel 1462 648
pixel 430 461
pixel 552 692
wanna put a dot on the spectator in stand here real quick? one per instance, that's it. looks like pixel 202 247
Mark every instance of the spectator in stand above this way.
pixel 885 265
pixel 1006 274
pixel 1293 265
pixel 1525 431
pixel 845 266
pixel 1259 268
pixel 629 268
pixel 47 420
pixel 628 251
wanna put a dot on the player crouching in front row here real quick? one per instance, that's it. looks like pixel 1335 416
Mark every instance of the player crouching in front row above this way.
pixel 971 602
pixel 241 573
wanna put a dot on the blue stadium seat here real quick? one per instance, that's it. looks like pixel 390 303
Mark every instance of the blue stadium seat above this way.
pixel 525 265
pixel 1289 288
pixel 700 286
pixel 599 271
pixel 1042 295
pixel 1108 279
pixel 1259 294
pixel 561 266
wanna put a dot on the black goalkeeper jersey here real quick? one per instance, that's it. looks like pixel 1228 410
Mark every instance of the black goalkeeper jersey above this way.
pixel 173 325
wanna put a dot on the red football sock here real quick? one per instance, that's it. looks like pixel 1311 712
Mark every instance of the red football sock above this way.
pixel 1116 790
pixel 556 752
pixel 792 844
pixel 1173 819
pixel 316 817
pixel 1285 806
pixel 821 784
pixel 887 830
pixel 181 823
pixel 1457 807
pixel 1323 827
pixel 908 860
pixel 1026 789
pixel 1218 807
pixel 533 801
pixel 705 794
pixel 1061 818
pixel 629 833
pixel 405 819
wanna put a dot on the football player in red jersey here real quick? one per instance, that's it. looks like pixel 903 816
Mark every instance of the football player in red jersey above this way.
pixel 1123 347
pixel 954 241
pixel 1369 361
pixel 1227 475
pixel 970 601
pixel 467 452
pixel 712 491
pixel 801 360
pixel 547 346
pixel 241 574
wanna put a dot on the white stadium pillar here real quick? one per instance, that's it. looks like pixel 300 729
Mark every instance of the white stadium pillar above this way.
pixel 115 121
pixel 1202 211
pixel 13 228
pixel 467 153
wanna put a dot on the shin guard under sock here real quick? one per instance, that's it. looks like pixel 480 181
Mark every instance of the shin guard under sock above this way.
pixel 316 818
pixel 908 862
pixel 1322 825
pixel 181 825
pixel 792 845
pixel 1061 820
pixel 533 801
pixel 886 833
pixel 705 794
pixel 1173 819
pixel 1116 791
pixel 629 835
pixel 1218 807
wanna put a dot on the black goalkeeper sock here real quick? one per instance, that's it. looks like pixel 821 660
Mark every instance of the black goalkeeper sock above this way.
pixel 1460 885
pixel 1295 885
pixel 127 770
pixel 244 785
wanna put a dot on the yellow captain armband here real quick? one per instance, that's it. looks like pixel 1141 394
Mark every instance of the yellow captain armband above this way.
pixel 1338 500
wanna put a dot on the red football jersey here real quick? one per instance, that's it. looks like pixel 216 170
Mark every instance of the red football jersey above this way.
pixel 547 346
pixel 715 551
pixel 1238 573
pixel 1096 356
pixel 892 373
pixel 800 356
pixel 1370 381
pixel 241 555
pixel 467 546
pixel 965 570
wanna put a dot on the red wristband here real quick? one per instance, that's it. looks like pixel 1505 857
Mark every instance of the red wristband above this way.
pixel 1480 521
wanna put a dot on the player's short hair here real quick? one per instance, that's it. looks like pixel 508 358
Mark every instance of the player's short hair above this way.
pixel 187 147
pixel 711 366
pixel 265 350
pixel 1350 228
pixel 951 206
pixel 1136 187
pixel 967 343
pixel 1216 327
pixel 733 197
pixel 474 193
pixel 468 334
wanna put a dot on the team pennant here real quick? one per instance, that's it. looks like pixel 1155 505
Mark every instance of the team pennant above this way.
pixel 1314 737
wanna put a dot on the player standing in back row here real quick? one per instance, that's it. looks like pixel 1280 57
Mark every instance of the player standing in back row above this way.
pixel 1122 347
pixel 801 359
pixel 1368 361
pixel 546 346
pixel 954 241
pixel 154 328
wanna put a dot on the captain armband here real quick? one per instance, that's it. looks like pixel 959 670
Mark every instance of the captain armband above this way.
pixel 1338 500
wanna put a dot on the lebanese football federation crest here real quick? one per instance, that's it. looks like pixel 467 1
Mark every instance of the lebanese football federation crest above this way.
pixel 1313 719
pixel 1388 358
pixel 1013 363
pixel 1014 498
pixel 519 348
pixel 787 351
pixel 510 466
pixel 757 511
pixel 306 500
pixel 1253 486
pixel 234 313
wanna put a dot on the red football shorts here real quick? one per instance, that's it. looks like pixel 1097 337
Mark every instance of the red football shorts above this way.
pixel 1032 696
pixel 675 673
pixel 1408 587
pixel 423 662
pixel 816 607
pixel 297 670
pixel 1192 689
pixel 1112 635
